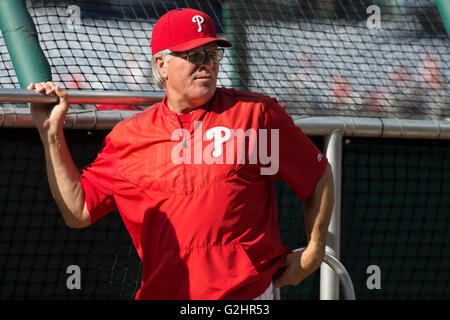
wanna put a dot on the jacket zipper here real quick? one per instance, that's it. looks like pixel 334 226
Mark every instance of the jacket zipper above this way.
pixel 183 143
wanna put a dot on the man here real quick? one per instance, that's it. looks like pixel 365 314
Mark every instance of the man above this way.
pixel 197 202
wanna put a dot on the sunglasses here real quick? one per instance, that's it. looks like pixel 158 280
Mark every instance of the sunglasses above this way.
pixel 200 57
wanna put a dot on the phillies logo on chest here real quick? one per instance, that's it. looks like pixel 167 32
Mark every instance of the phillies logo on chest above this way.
pixel 198 20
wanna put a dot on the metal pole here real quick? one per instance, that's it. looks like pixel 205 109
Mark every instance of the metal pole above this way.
pixel 344 277
pixel 329 282
pixel 84 97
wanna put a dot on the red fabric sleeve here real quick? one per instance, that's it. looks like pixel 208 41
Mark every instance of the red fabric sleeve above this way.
pixel 97 180
pixel 301 163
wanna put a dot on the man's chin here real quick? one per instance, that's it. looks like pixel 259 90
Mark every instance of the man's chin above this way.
pixel 206 82
pixel 205 88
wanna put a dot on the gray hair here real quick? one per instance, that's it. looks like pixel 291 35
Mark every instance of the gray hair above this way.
pixel 156 76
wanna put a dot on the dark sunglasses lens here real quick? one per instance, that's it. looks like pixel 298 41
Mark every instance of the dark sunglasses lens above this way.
pixel 196 57
pixel 199 57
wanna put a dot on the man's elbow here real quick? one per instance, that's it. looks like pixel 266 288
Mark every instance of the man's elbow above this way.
pixel 77 224
pixel 77 221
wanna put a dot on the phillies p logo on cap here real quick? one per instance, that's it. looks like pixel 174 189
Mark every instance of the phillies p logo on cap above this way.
pixel 184 29
pixel 198 19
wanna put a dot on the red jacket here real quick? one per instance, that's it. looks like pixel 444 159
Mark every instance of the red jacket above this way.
pixel 203 230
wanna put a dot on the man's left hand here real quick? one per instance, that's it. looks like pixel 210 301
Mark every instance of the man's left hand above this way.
pixel 299 265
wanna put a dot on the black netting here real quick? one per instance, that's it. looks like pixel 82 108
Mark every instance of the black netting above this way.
pixel 395 205
pixel 395 214
pixel 318 57
pixel 36 247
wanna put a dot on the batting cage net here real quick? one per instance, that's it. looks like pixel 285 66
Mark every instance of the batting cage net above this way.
pixel 395 215
pixel 373 58
pixel 379 58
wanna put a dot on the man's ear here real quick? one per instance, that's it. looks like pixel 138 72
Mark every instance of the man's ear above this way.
pixel 161 63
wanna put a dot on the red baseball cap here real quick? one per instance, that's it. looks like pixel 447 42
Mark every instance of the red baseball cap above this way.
pixel 184 29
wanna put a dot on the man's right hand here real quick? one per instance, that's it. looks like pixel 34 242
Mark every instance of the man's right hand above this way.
pixel 49 118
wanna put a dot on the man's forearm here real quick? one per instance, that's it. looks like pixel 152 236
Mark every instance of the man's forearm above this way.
pixel 64 179
pixel 317 215
pixel 318 209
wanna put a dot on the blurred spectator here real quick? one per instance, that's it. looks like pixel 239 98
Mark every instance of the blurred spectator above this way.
pixel 74 81
pixel 433 94
pixel 303 89
pixel 374 105
pixel 402 96
pixel 377 103
pixel 347 101
pixel 341 90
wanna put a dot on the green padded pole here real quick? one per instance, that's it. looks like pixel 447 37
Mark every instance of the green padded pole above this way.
pixel 235 33
pixel 444 10
pixel 21 39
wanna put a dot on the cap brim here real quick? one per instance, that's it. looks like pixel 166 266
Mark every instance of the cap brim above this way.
pixel 189 45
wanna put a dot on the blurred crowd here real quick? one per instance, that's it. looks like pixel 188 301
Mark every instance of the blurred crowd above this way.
pixel 402 93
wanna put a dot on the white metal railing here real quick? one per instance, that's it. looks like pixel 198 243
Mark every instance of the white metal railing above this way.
pixel 376 127
pixel 329 285
pixel 84 97
pixel 333 129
